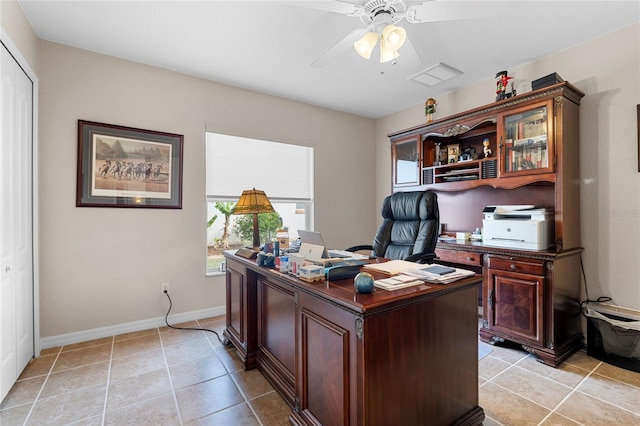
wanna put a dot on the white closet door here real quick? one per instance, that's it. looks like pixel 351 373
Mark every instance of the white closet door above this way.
pixel 16 222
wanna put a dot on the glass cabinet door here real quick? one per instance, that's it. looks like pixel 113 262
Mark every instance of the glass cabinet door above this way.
pixel 527 139
pixel 406 162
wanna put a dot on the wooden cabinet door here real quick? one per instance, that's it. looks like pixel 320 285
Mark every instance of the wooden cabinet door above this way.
pixel 406 158
pixel 515 305
pixel 241 295
pixel 277 334
pixel 235 306
pixel 326 370
pixel 527 140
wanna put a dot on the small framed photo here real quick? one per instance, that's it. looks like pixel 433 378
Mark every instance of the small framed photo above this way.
pixel 127 167
pixel 453 153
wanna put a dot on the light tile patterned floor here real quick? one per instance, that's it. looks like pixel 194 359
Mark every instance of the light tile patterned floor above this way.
pixel 176 377
pixel 515 389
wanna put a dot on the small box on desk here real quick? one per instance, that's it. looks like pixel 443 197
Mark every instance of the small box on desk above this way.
pixel 547 80
pixel 311 273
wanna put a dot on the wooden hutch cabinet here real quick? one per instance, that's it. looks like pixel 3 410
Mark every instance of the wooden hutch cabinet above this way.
pixel 528 297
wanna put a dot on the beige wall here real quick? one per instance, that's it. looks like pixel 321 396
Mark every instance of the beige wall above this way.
pixel 17 27
pixel 607 69
pixel 103 266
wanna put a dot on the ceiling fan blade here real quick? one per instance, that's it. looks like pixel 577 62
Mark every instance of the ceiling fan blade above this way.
pixel 339 47
pixel 442 10
pixel 337 6
pixel 409 57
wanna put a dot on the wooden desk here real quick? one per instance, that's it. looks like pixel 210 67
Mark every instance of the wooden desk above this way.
pixel 339 357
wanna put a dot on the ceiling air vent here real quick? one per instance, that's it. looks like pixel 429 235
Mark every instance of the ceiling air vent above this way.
pixel 435 74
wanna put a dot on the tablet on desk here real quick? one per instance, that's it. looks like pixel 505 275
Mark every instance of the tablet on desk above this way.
pixel 438 269
pixel 313 247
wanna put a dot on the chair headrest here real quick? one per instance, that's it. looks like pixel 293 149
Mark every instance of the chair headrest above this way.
pixel 414 205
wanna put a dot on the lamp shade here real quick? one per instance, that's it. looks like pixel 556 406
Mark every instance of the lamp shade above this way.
pixel 365 45
pixel 253 201
pixel 387 53
pixel 394 37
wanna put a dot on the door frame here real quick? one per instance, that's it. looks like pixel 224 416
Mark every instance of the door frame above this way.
pixel 24 64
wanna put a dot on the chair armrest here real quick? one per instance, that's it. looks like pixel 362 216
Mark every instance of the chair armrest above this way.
pixel 361 247
pixel 421 257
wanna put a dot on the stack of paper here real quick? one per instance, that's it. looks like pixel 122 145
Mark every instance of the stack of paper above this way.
pixel 398 281
pixel 392 267
pixel 406 274
pixel 431 274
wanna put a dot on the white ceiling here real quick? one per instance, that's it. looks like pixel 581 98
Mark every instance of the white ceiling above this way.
pixel 268 46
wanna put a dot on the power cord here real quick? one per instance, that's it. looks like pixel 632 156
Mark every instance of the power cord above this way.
pixel 166 320
pixel 600 299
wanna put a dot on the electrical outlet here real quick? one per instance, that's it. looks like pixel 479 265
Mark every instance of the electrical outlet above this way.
pixel 164 287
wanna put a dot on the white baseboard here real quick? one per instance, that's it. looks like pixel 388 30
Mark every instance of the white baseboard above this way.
pixel 113 330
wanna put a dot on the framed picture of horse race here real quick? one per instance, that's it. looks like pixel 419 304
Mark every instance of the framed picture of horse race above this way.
pixel 127 167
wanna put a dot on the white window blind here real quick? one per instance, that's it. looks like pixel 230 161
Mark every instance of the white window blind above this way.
pixel 281 170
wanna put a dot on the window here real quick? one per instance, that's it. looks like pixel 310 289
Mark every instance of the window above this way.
pixel 283 171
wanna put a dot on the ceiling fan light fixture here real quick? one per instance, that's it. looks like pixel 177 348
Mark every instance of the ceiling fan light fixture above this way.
pixel 387 53
pixel 365 45
pixel 394 37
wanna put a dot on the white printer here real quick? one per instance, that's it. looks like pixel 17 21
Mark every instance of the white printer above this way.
pixel 524 227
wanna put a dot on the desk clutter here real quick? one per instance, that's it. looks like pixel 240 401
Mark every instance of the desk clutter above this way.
pixel 398 273
pixel 402 274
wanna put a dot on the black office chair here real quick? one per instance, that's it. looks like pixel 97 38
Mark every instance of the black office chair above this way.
pixel 410 227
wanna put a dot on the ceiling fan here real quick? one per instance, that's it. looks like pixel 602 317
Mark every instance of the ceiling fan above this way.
pixel 380 18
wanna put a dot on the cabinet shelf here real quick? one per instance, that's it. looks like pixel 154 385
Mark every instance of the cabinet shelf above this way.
pixel 459 172
pixel 544 179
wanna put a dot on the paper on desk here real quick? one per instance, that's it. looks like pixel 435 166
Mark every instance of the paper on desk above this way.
pixel 398 281
pixel 392 267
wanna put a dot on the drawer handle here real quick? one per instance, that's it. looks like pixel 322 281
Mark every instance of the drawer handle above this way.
pixel 469 258
pixel 513 267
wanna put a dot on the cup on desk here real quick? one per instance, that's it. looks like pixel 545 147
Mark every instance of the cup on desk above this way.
pixel 284 264
pixel 295 262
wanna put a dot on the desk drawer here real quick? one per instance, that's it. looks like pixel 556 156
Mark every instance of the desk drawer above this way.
pixel 461 257
pixel 515 264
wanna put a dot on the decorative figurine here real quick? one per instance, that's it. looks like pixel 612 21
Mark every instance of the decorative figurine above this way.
pixel 501 85
pixel 436 162
pixel 430 109
pixel 468 153
pixel 486 149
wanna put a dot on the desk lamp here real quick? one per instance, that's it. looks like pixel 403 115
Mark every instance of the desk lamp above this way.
pixel 253 201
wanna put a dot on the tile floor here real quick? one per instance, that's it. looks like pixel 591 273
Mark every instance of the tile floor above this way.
pixel 175 377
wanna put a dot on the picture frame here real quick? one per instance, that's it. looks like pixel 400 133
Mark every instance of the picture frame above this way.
pixel 453 152
pixel 127 167
pixel 638 124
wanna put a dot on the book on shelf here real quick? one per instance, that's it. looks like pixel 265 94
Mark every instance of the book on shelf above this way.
pixel 539 139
